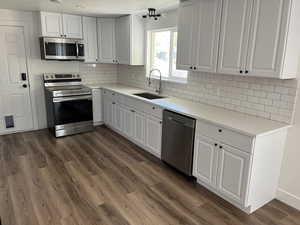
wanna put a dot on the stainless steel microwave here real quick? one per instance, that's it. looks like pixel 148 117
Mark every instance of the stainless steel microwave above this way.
pixel 61 49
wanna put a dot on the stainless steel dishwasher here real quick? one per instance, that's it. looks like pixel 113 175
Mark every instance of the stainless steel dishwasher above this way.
pixel 178 141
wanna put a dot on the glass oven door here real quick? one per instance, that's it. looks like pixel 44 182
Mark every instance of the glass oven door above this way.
pixel 73 109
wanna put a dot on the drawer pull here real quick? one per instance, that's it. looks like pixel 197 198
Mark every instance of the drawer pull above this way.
pixel 221 147
pixel 216 144
pixel 132 110
pixel 220 130
pixel 153 107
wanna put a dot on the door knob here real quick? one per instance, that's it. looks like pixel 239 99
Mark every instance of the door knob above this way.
pixel 24 85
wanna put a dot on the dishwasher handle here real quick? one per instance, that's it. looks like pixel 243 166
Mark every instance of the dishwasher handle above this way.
pixel 182 123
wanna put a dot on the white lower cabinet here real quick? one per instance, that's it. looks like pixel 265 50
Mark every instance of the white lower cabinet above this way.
pixel 233 173
pixel 205 160
pixel 97 106
pixel 221 167
pixel 138 121
pixel 154 134
pixel 140 128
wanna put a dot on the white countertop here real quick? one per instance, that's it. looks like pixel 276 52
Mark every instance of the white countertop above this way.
pixel 243 123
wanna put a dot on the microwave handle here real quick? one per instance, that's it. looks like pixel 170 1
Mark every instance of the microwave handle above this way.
pixel 77 50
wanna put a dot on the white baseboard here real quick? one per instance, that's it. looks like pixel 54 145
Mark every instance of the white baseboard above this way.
pixel 288 198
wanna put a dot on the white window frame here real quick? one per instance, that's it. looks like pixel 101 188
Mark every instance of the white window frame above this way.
pixel 150 55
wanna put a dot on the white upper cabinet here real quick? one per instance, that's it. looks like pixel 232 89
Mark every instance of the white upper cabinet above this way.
pixel 234 36
pixel 130 40
pixel 198 35
pixel 90 39
pixel 106 40
pixel 51 24
pixel 61 25
pixel 257 37
pixel 267 37
pixel 206 35
pixel 72 26
pixel 185 36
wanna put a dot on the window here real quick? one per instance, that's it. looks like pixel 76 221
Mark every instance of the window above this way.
pixel 162 50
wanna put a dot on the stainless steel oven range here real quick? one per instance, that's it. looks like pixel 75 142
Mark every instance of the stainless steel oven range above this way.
pixel 69 104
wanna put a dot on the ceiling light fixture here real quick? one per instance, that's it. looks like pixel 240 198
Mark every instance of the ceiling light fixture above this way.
pixel 152 14
pixel 56 1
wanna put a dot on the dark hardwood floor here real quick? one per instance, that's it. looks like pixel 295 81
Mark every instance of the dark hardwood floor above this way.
pixel 101 178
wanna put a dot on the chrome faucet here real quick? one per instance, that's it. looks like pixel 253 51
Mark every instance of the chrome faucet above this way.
pixel 149 80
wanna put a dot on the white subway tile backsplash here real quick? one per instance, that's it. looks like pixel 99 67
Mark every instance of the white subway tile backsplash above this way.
pixel 272 99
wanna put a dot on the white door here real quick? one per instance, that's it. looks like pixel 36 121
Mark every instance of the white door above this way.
pixel 185 36
pixel 234 36
pixel 51 24
pixel 106 40
pixel 140 128
pixel 123 40
pixel 206 32
pixel 97 106
pixel 128 122
pixel 267 37
pixel 154 135
pixel 90 39
pixel 118 117
pixel 72 26
pixel 14 92
pixel 233 173
pixel 108 112
pixel 205 160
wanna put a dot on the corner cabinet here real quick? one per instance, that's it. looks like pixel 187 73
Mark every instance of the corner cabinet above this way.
pixel 263 43
pixel 106 40
pixel 61 25
pixel 90 39
pixel 242 169
pixel 130 40
pixel 198 35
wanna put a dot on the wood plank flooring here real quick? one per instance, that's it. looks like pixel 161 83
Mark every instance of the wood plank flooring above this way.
pixel 99 178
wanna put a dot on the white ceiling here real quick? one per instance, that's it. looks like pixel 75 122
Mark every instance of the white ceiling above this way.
pixel 88 7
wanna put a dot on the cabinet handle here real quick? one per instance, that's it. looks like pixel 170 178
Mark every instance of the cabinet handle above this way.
pixel 195 68
pixel 191 67
pixel 132 110
pixel 220 130
pixel 216 144
pixel 220 147
pixel 246 71
pixel 153 108
pixel 241 71
pixel 160 122
pixel 113 103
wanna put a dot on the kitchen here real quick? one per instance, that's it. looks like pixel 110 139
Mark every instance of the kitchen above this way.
pixel 235 91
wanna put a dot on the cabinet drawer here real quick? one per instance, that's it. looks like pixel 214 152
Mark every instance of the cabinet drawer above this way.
pixel 227 136
pixel 153 110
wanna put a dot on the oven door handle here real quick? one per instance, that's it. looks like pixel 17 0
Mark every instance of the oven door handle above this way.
pixel 77 50
pixel 67 99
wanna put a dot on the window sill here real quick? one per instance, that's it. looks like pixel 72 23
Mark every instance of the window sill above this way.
pixel 180 81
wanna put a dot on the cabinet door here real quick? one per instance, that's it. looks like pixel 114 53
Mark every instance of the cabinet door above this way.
pixel 267 37
pixel 72 26
pixel 205 160
pixel 108 116
pixel 185 36
pixel 51 24
pixel 233 173
pixel 234 36
pixel 106 40
pixel 90 39
pixel 123 40
pixel 154 135
pixel 117 117
pixel 206 32
pixel 140 128
pixel 128 122
pixel 97 106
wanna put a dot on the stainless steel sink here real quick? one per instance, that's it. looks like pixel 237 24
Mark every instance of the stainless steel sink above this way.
pixel 149 95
